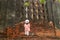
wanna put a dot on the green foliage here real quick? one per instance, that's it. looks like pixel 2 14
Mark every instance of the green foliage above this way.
pixel 42 1
pixel 58 0
pixel 26 4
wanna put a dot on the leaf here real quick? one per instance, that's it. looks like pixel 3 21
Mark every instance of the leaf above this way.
pixel 26 4
pixel 42 1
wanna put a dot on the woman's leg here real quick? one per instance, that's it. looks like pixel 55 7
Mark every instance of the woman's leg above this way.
pixel 27 33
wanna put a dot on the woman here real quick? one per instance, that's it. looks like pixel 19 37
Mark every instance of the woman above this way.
pixel 27 27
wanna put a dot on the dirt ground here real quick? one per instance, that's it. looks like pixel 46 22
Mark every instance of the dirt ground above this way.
pixel 58 32
pixel 42 34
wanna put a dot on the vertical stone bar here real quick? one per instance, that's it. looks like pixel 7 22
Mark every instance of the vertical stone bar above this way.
pixel 26 12
pixel 26 5
pixel 36 9
pixel 31 6
pixel 32 13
